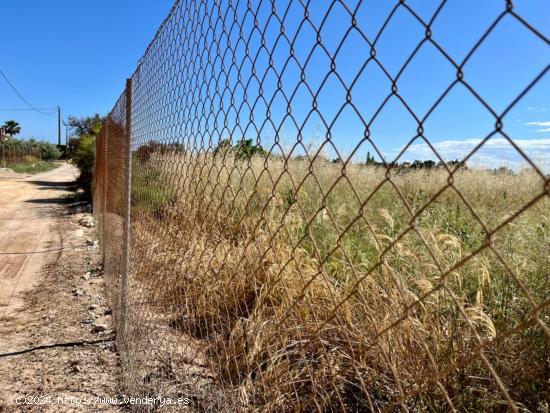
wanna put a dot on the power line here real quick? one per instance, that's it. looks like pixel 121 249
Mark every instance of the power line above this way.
pixel 21 96
pixel 27 109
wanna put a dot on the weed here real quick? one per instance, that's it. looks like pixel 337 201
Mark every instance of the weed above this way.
pixel 33 166
pixel 328 295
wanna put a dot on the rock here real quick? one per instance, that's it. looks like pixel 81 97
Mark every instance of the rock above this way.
pixel 87 222
pixel 75 368
pixel 77 292
pixel 92 307
pixel 99 327
pixel 92 243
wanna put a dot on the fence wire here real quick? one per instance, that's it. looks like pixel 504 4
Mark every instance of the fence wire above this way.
pixel 265 251
pixel 12 154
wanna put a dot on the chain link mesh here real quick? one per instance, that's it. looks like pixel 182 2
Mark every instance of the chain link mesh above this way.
pixel 13 154
pixel 256 263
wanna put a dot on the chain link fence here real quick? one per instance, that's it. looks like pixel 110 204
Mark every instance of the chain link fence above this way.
pixel 265 250
pixel 15 154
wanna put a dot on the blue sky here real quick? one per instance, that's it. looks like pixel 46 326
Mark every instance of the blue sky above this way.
pixel 78 54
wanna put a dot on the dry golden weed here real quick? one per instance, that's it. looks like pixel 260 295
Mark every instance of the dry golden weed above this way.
pixel 306 300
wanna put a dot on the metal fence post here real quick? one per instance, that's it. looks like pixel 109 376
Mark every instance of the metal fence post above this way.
pixel 104 194
pixel 127 211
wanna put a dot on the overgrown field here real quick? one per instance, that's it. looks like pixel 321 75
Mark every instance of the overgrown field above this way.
pixel 32 165
pixel 314 287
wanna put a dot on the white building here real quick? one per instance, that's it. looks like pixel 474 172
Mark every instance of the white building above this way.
pixel 3 135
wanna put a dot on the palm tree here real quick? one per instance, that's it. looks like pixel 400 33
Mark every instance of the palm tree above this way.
pixel 12 128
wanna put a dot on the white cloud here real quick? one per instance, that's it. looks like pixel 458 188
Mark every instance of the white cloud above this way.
pixel 543 130
pixel 539 123
pixel 537 109
pixel 494 153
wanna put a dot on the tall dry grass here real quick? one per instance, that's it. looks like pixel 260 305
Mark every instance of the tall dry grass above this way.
pixel 318 288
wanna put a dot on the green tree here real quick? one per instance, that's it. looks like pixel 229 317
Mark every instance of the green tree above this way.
pixel 86 128
pixel 86 125
pixel 12 128
pixel 370 159
pixel 84 159
pixel 243 148
pixel 223 147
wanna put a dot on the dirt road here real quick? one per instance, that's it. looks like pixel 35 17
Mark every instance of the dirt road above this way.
pixel 29 230
pixel 56 332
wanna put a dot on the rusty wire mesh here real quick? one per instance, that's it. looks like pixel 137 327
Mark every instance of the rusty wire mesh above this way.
pixel 255 268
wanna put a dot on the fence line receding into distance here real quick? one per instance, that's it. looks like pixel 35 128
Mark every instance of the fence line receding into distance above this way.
pixel 269 243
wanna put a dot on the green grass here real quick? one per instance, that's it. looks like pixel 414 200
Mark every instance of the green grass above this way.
pixel 33 168
pixel 149 193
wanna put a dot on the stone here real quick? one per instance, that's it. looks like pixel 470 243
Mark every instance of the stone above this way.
pixel 99 327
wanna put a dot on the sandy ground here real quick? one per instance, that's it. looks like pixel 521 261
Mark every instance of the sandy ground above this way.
pixel 52 293
pixel 29 231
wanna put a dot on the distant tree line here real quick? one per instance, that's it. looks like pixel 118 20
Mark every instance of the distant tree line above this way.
pixel 49 151
pixel 417 164
pixel 244 149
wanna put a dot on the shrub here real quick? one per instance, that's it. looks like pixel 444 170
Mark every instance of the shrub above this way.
pixel 243 149
pixel 30 159
pixel 50 152
pixel 145 151
pixel 84 159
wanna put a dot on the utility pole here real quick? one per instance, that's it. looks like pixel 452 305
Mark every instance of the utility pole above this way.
pixel 58 125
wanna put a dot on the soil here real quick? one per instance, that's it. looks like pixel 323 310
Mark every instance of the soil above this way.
pixel 52 293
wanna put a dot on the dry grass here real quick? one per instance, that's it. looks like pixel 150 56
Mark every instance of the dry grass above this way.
pixel 311 290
